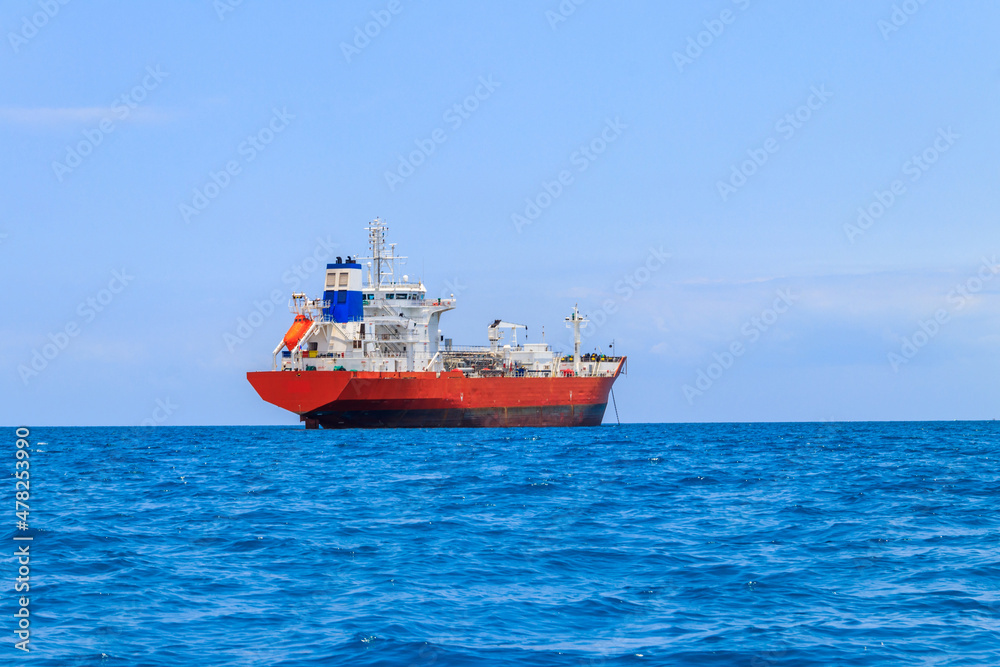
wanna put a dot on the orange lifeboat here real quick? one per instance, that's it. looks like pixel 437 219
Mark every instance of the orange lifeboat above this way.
pixel 298 329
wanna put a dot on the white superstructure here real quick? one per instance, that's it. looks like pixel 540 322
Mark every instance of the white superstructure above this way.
pixel 369 319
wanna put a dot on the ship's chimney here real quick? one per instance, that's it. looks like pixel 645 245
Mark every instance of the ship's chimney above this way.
pixel 343 292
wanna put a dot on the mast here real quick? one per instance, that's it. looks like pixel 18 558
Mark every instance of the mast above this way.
pixel 376 244
pixel 382 262
pixel 576 322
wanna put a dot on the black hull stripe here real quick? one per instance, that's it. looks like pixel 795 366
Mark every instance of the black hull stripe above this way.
pixel 560 415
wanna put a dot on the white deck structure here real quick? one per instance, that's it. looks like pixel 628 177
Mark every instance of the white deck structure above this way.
pixel 399 328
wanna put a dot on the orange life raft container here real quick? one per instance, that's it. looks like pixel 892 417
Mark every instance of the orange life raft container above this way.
pixel 298 329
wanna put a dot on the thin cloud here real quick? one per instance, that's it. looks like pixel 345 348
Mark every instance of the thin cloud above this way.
pixel 63 116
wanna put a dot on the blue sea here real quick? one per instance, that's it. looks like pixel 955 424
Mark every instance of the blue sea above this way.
pixel 718 544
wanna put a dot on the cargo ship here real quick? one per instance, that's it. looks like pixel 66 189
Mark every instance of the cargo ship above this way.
pixel 370 354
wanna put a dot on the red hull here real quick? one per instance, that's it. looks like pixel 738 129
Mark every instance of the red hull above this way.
pixel 356 399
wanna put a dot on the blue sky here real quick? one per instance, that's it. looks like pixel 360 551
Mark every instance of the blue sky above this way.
pixel 208 152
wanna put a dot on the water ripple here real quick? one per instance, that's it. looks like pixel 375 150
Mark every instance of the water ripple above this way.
pixel 725 544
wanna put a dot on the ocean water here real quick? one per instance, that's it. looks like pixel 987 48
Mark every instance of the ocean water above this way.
pixel 727 544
